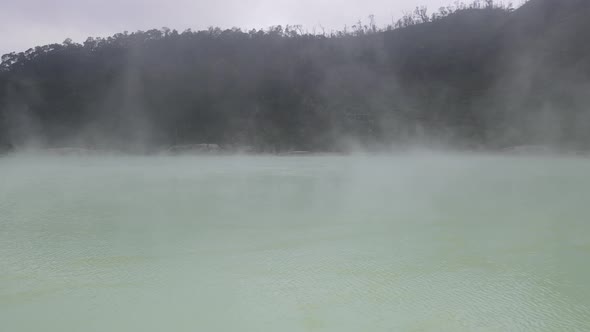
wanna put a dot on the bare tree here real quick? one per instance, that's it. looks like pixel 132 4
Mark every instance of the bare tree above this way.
pixel 372 23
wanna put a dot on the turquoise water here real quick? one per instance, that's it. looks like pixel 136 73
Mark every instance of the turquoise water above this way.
pixel 324 243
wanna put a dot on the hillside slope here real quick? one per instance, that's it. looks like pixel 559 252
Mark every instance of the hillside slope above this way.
pixel 475 76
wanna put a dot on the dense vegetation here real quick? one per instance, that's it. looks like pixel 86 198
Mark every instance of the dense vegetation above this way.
pixel 476 75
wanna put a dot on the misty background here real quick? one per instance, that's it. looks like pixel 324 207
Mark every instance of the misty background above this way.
pixel 475 75
pixel 172 172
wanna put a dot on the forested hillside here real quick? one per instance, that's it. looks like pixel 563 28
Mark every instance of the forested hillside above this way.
pixel 475 75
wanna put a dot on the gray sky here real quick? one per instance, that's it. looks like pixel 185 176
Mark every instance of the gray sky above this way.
pixel 28 23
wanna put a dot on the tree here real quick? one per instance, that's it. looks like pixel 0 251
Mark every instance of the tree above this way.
pixel 456 78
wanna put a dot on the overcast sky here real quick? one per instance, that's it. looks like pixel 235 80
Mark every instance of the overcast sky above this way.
pixel 28 23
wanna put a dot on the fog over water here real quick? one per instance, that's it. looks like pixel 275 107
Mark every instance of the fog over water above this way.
pixel 266 166
pixel 417 242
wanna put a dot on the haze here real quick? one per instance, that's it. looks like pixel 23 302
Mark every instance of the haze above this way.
pixel 39 22
pixel 422 171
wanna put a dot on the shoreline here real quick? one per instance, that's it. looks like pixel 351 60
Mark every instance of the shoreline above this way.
pixel 525 151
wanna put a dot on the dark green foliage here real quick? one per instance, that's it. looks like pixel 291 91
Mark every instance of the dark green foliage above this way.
pixel 470 75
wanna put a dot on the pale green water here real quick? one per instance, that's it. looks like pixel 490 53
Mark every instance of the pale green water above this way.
pixel 413 243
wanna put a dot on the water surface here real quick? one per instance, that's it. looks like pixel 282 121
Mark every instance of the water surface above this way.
pixel 406 243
